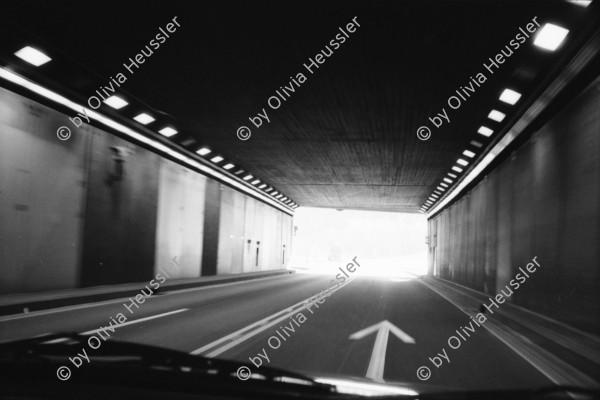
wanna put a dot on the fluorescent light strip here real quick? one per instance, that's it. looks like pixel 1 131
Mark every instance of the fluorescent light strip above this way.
pixel 444 184
pixel 448 180
pixel 228 166
pixel 452 175
pixel 462 162
pixel 457 169
pixel 468 153
pixel 48 94
pixel 217 159
pixel 203 151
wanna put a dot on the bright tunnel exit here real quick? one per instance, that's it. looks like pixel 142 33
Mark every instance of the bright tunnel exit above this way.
pixel 386 244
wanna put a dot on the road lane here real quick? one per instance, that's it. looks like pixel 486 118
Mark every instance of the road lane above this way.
pixel 213 312
pixel 321 344
pixel 318 344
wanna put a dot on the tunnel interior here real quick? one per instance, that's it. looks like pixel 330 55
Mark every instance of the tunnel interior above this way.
pixel 454 144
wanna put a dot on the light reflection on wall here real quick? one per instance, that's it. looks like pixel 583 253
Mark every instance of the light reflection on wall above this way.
pixel 386 243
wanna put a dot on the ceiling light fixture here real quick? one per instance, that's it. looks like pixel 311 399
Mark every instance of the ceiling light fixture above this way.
pixel 550 37
pixel 167 131
pixel 204 151
pixel 510 96
pixel 144 118
pixel 485 131
pixel 496 115
pixel 32 56
pixel 116 102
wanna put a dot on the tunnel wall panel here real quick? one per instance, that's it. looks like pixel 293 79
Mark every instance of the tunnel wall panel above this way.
pixel 542 201
pixel 41 198
pixel 120 223
pixel 180 220
pixel 231 235
pixel 251 232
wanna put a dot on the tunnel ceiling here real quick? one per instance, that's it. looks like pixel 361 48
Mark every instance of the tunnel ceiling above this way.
pixel 346 137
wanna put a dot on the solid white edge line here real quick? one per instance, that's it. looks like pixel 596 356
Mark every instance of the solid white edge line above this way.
pixel 541 367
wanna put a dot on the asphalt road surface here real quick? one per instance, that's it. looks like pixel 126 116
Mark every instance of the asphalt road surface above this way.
pixel 273 321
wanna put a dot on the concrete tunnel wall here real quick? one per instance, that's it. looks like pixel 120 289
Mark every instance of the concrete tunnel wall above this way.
pixel 68 220
pixel 543 201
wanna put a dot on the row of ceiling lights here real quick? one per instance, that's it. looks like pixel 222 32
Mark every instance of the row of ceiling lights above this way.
pixel 37 58
pixel 549 38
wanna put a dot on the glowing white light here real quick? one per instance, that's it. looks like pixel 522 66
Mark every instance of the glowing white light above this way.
pixel 204 151
pixel 32 56
pixel 496 115
pixel 144 118
pixel 485 131
pixel 116 102
pixel 510 96
pixel 168 131
pixel 550 37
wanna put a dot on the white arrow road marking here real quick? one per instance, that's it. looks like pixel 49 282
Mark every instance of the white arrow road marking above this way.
pixel 377 362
